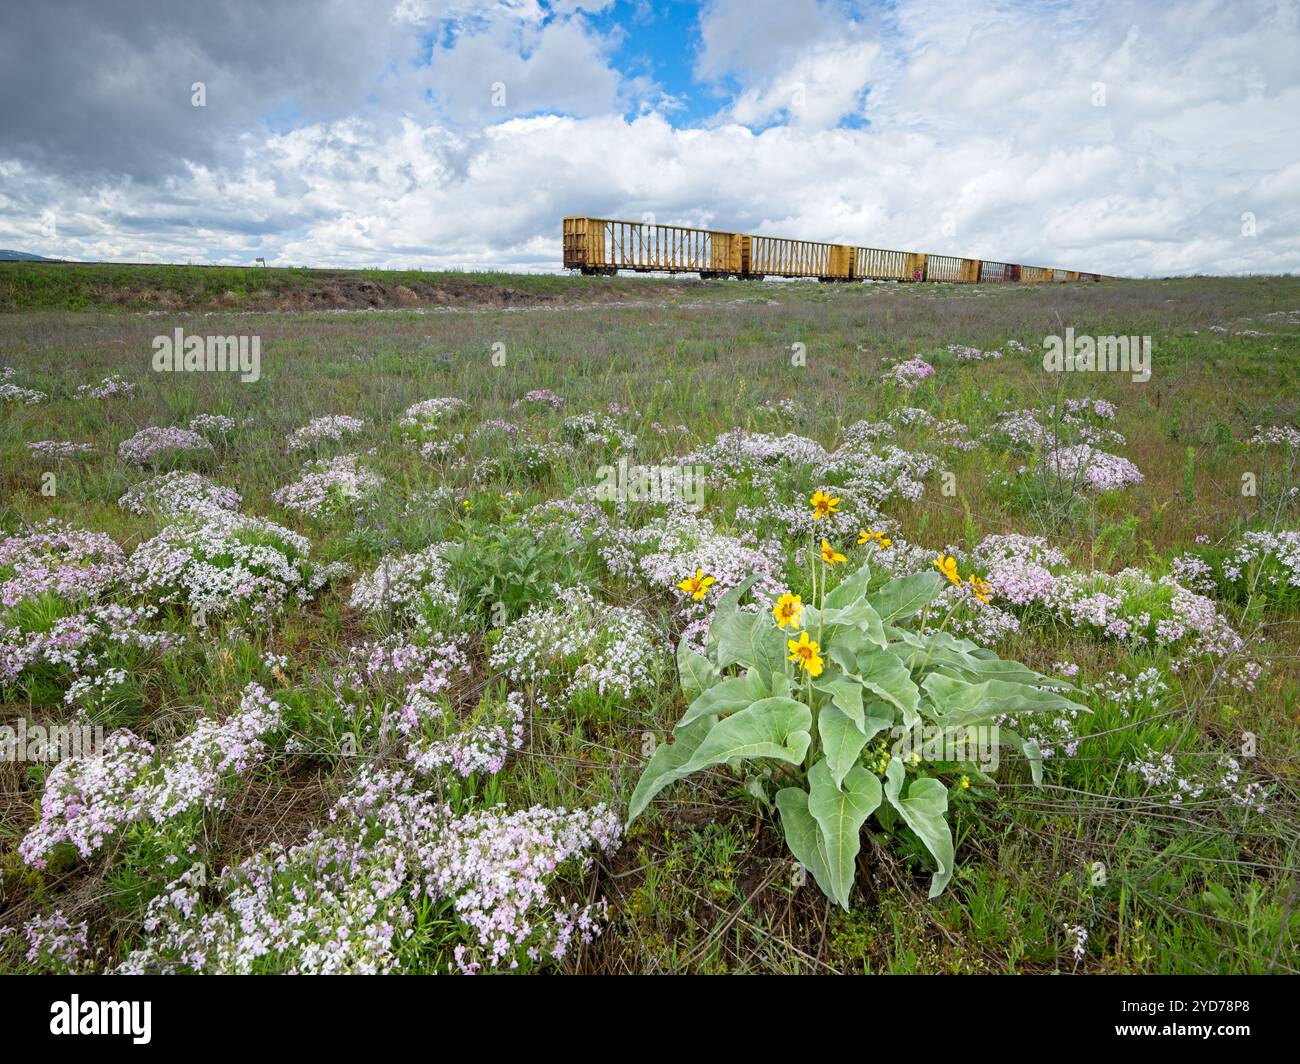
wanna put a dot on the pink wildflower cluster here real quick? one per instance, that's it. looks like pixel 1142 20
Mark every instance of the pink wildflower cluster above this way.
pixel 910 373
pixel 88 799
pixel 78 642
pixel 153 445
pixel 344 899
pixel 56 558
pixel 1095 468
pixel 328 487
pixel 57 945
pixel 539 397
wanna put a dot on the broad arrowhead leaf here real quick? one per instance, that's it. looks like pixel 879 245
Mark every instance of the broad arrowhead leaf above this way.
pixel 840 813
pixel 663 765
pixel 696 672
pixel 842 741
pixel 727 696
pixel 859 616
pixel 958 702
pixel 923 809
pixel 772 727
pixel 906 596
pixel 802 835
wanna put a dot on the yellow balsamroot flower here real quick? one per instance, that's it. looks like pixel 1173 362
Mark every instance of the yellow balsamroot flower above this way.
pixel 806 653
pixel 830 555
pixel 980 589
pixel 870 535
pixel 965 783
pixel 787 610
pixel 696 586
pixel 948 566
pixel 823 505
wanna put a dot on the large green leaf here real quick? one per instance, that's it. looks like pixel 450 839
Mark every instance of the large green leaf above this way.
pixel 923 809
pixel 845 692
pixel 840 813
pixel 879 716
pixel 752 640
pixel 842 741
pixel 776 727
pixel 803 836
pixel 906 596
pixel 890 679
pixel 696 672
pixel 727 605
pixel 667 759
pixel 956 702
pixel 861 617
pixel 850 589
pixel 727 696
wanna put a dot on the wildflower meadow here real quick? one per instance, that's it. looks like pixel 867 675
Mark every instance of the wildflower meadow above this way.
pixel 628 626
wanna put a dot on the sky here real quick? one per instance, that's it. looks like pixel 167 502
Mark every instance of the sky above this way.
pixel 1135 138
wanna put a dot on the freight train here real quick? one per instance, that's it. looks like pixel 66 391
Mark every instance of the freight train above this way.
pixel 605 246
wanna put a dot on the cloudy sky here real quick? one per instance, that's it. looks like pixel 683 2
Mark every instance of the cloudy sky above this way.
pixel 1133 137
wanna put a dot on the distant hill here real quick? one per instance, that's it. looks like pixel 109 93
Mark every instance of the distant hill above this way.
pixel 9 256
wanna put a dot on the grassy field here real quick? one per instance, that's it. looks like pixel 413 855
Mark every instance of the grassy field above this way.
pixel 366 741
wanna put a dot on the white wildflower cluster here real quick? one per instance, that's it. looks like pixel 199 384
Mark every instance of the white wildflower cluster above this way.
pixel 114 387
pixel 176 493
pixel 12 393
pixel 422 420
pixel 1263 562
pixel 88 799
pixel 334 427
pixel 945 432
pixel 480 745
pixel 221 563
pixel 971 354
pixel 407 584
pixel 329 486
pixel 156 446
pixel 344 900
pixel 1287 436
pixel 597 431
pixel 580 645
pixel 60 450
pixel 1096 469
pixel 1175 784
pixel 1144 689
pixel 219 425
